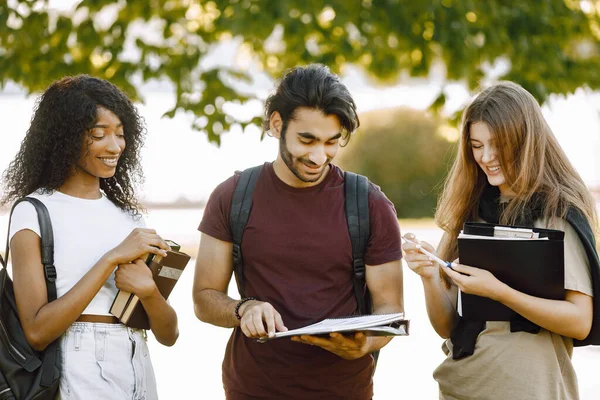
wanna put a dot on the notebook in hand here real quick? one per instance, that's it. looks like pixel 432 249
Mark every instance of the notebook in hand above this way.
pixel 165 271
pixel 530 260
pixel 373 325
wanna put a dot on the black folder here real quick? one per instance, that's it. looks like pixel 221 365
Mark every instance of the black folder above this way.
pixel 535 267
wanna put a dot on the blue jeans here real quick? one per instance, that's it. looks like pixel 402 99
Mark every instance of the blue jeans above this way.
pixel 105 361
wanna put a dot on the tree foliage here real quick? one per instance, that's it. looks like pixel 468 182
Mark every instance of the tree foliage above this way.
pixel 404 152
pixel 551 46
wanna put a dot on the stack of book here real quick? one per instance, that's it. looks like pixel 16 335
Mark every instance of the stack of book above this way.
pixel 530 260
pixel 165 271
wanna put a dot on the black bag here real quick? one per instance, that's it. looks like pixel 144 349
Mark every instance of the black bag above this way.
pixel 24 372
pixel 582 226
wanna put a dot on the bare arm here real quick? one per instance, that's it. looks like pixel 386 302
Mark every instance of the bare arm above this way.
pixel 44 322
pixel 385 285
pixel 441 304
pixel 214 267
pixel 440 300
pixel 163 319
pixel 571 317
pixel 137 278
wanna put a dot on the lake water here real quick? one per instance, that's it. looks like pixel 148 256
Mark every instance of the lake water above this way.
pixel 192 368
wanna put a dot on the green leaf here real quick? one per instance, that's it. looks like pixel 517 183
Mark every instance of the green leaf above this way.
pixel 553 45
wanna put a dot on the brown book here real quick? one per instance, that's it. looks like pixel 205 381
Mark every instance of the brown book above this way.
pixel 165 271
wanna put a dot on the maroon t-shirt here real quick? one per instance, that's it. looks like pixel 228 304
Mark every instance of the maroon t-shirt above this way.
pixel 298 257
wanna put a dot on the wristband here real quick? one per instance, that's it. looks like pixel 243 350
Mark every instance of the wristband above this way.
pixel 239 304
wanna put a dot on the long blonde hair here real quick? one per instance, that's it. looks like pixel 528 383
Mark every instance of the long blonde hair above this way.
pixel 530 157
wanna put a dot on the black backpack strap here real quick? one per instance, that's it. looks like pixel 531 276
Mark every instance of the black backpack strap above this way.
pixel 241 205
pixel 357 216
pixel 47 243
pixel 47 251
pixel 582 227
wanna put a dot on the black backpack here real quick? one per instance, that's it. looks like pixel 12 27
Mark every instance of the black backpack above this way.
pixel 24 372
pixel 582 226
pixel 357 216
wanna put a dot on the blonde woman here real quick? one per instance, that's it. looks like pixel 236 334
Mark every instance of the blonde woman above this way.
pixel 511 170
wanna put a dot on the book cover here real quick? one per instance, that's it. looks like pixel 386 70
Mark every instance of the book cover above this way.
pixel 165 271
pixel 534 266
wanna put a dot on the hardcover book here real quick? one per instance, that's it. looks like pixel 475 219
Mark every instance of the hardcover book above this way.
pixel 165 271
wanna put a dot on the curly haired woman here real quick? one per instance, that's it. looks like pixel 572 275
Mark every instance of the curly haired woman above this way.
pixel 80 157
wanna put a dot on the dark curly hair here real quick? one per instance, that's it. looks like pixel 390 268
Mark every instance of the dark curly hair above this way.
pixel 312 86
pixel 64 113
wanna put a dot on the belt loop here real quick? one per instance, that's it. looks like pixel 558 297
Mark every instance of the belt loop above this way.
pixel 100 337
pixel 77 344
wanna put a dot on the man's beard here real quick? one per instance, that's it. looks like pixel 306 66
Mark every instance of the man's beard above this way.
pixel 288 159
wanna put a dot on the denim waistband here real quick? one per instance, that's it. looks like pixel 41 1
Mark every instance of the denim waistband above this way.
pixel 95 326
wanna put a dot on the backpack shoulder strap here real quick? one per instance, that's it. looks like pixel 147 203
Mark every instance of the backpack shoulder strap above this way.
pixel 241 205
pixel 47 243
pixel 47 250
pixel 357 217
pixel 582 227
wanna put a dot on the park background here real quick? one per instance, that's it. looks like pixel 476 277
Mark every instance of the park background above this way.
pixel 411 67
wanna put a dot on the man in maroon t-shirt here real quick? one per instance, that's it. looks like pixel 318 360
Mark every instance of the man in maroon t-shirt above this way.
pixel 298 256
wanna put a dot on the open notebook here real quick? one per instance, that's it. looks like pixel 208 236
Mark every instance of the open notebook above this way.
pixel 374 325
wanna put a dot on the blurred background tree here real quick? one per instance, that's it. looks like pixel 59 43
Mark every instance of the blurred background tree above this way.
pixel 407 152
pixel 548 46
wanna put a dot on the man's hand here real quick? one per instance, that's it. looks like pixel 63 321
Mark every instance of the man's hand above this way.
pixel 255 315
pixel 347 347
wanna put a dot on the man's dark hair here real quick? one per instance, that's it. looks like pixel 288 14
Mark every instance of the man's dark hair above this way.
pixel 312 86
pixel 64 113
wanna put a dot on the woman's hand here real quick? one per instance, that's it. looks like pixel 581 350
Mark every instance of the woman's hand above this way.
pixel 135 278
pixel 139 242
pixel 475 281
pixel 417 261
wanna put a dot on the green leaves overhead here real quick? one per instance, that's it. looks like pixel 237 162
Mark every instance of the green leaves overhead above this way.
pixel 548 46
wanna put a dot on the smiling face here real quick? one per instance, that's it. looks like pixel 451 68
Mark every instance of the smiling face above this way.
pixel 102 146
pixel 486 156
pixel 309 143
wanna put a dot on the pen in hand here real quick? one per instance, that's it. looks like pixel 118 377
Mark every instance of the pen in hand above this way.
pixel 443 263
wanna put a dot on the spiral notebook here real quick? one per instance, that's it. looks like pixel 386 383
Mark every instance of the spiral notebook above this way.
pixel 372 325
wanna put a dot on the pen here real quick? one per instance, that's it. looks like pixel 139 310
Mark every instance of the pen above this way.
pixel 443 263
